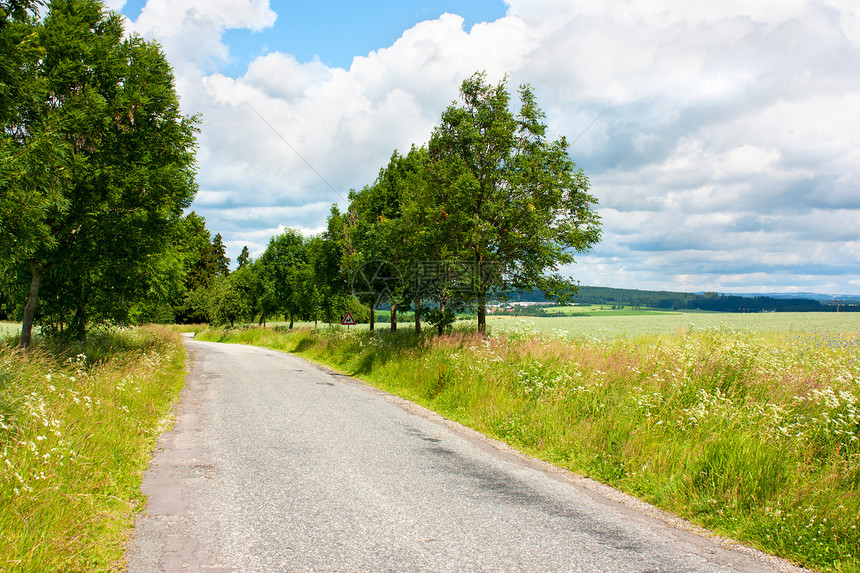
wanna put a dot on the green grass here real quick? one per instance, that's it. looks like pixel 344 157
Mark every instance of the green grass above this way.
pixel 752 432
pixel 77 427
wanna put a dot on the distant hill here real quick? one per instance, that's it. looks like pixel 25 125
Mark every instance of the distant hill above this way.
pixel 746 302
pixel 807 295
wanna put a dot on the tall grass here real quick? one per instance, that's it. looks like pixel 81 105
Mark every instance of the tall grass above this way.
pixel 756 436
pixel 77 426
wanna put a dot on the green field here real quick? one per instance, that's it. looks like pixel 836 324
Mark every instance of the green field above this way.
pixel 616 323
pixel 9 328
pixel 605 309
pixel 610 325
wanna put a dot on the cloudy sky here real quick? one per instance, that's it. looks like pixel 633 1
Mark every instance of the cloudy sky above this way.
pixel 722 139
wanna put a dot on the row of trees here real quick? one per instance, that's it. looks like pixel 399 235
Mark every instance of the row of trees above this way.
pixel 489 206
pixel 97 171
pixel 296 278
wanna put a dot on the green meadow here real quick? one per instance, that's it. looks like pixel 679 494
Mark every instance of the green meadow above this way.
pixel 628 322
pixel 615 323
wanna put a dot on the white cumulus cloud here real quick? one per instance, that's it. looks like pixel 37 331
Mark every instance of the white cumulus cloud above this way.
pixel 721 138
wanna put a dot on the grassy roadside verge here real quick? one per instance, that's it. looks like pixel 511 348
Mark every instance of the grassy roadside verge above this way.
pixel 77 426
pixel 754 436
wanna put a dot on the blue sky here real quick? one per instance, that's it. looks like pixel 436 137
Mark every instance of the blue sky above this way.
pixel 335 32
pixel 725 153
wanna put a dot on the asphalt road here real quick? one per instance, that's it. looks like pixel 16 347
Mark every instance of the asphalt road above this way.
pixel 277 465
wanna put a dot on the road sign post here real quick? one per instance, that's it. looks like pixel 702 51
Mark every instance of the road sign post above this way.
pixel 348 321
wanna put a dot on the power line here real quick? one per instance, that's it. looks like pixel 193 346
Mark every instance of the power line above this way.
pixel 590 125
pixel 323 179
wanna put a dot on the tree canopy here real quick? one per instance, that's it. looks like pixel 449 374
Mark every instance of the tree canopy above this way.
pixel 98 163
pixel 491 204
pixel 511 200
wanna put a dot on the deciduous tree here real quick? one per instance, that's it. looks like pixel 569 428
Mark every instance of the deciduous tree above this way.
pixel 102 120
pixel 385 246
pixel 281 265
pixel 510 201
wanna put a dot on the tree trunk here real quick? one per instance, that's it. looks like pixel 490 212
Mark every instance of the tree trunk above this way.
pixel 441 318
pixel 393 317
pixel 372 319
pixel 78 325
pixel 291 320
pixel 417 304
pixel 262 320
pixel 482 314
pixel 30 308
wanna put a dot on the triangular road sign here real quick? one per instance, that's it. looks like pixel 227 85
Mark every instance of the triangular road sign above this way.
pixel 348 320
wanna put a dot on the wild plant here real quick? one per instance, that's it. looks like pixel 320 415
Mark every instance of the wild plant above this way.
pixel 77 425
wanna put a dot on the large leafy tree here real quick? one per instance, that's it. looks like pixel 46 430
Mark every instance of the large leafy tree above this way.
pixel 329 291
pixel 281 275
pixel 510 202
pixel 166 275
pixel 31 149
pixel 201 266
pixel 402 183
pixel 233 297
pixel 101 118
pixel 431 239
pixel 378 256
pixel 405 220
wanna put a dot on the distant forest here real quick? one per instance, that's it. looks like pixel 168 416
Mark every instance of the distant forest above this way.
pixel 690 301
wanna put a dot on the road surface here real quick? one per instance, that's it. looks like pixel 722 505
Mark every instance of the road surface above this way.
pixel 278 465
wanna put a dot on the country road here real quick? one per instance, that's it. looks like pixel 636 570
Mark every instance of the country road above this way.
pixel 277 465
